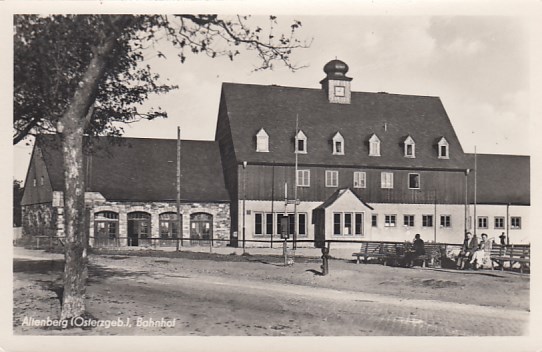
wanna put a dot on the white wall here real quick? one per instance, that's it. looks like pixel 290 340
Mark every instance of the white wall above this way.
pixel 454 234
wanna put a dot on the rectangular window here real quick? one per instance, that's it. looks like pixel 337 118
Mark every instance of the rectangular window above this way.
pixel 301 145
pixel 374 220
pixel 443 151
pixel 499 222
pixel 414 181
pixel 291 224
pixel 409 150
pixel 445 221
pixel 386 180
pixel 482 222
pixel 359 224
pixel 338 147
pixel 337 223
pixel 258 223
pixel 515 222
pixel 347 224
pixel 359 179
pixel 303 178
pixel 279 225
pixel 332 178
pixel 390 220
pixel 408 220
pixel 302 230
pixel 374 148
pixel 269 224
pixel 427 220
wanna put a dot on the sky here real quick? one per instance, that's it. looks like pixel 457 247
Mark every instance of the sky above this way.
pixel 477 65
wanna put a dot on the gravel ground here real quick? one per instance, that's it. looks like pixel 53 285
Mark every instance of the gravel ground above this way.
pixel 174 285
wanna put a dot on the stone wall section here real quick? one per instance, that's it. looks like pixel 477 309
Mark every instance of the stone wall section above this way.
pixel 219 211
pixel 39 220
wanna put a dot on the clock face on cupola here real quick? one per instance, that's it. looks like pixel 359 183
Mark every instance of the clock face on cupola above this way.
pixel 336 84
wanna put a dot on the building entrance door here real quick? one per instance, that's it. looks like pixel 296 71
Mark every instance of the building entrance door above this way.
pixel 201 229
pixel 139 224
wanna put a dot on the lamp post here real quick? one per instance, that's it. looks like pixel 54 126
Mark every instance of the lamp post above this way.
pixel 244 200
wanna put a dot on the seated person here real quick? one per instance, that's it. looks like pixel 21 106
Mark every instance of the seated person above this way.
pixel 470 245
pixel 480 254
pixel 418 248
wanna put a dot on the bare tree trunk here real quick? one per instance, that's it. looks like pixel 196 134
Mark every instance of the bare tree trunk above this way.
pixel 73 304
pixel 71 126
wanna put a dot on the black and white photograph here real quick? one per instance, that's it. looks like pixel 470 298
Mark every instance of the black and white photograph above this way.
pixel 265 177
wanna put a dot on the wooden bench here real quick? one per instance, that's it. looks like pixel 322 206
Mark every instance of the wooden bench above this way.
pixel 376 250
pixel 512 254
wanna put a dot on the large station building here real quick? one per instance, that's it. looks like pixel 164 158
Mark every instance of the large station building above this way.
pixel 337 164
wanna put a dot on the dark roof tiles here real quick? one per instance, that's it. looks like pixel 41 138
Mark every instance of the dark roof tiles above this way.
pixel 391 117
pixel 144 169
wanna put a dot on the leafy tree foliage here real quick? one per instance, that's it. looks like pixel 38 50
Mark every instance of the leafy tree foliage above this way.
pixel 52 53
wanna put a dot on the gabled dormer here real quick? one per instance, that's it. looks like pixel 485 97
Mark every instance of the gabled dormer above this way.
pixel 262 141
pixel 338 144
pixel 409 147
pixel 301 143
pixel 374 145
pixel 443 149
pixel 336 85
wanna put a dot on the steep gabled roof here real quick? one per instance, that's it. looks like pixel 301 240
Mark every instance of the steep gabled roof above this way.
pixel 390 116
pixel 144 169
pixel 501 179
pixel 338 194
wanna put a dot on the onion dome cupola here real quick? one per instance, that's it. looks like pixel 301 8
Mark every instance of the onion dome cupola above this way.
pixel 336 84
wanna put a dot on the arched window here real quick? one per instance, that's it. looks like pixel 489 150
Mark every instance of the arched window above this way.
pixel 106 229
pixel 169 229
pixel 443 149
pixel 374 145
pixel 338 144
pixel 139 228
pixel 301 143
pixel 262 141
pixel 410 148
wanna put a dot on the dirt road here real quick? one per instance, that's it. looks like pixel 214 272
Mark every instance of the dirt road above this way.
pixel 202 297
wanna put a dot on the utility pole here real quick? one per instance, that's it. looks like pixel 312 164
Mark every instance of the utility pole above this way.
pixel 466 198
pixel 179 222
pixel 244 201
pixel 475 172
pixel 294 245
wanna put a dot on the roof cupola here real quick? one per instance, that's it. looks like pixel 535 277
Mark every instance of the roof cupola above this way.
pixel 336 84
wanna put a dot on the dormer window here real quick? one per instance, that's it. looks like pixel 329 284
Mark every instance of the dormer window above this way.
pixel 443 149
pixel 338 144
pixel 410 148
pixel 301 143
pixel 262 141
pixel 374 146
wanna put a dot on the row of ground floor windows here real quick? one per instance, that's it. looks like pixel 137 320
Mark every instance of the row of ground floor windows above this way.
pixel 106 226
pixel 346 223
pixel 390 220
pixel 272 224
